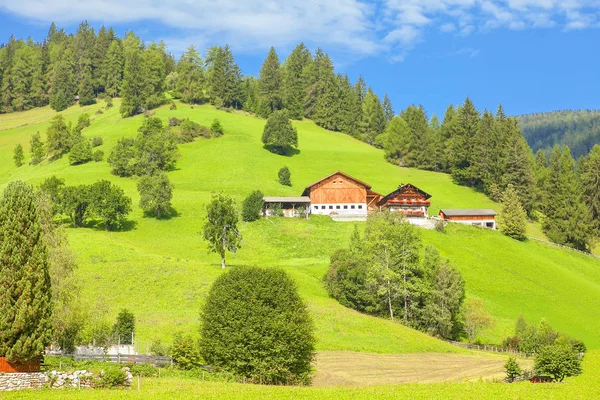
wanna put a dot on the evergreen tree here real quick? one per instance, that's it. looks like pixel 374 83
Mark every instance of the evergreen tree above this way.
pixel 86 86
pixel 373 118
pixel 420 145
pixel 590 175
pixel 58 137
pixel 124 326
pixel 388 110
pixel 279 135
pixel 156 192
pixel 285 176
pixel 36 148
pixel 447 130
pixel 294 88
pixel 396 141
pixel 104 40
pixel 252 206
pixel 269 84
pixel 513 218
pixel 349 120
pixel 63 93
pixel 133 85
pixel 220 229
pixel 25 298
pixel 112 69
pixel 567 220
pixel 18 155
pixel 154 76
pixel 465 130
pixel 190 77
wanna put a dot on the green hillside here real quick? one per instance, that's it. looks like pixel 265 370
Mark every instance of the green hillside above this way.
pixel 161 269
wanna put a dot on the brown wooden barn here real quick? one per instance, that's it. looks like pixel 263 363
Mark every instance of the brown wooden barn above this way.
pixel 483 217
pixel 342 194
pixel 407 199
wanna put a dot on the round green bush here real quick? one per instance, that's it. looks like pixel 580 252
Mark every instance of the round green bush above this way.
pixel 256 326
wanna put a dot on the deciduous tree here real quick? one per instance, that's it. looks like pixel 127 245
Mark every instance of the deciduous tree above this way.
pixel 156 192
pixel 220 229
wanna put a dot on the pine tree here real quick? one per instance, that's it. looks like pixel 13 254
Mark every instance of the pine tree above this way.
pixel 36 148
pixel 567 220
pixel 63 93
pixel 373 118
pixel 18 155
pixel 467 125
pixel 190 77
pixel 86 86
pixel 447 131
pixel 103 42
pixel 590 176
pixel 420 144
pixel 25 298
pixel 154 73
pixel 294 88
pixel 269 84
pixel 396 141
pixel 112 69
pixel 134 79
pixel 388 110
pixel 513 218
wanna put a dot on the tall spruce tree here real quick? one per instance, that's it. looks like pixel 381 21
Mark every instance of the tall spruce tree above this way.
pixel 36 148
pixel 154 72
pixel 419 152
pixel 294 86
pixel 567 219
pixel 134 79
pixel 270 85
pixel 190 77
pixel 103 42
pixel 372 123
pixel 590 176
pixel 63 88
pixel 388 110
pixel 112 69
pixel 25 298
pixel 465 130
pixel 513 218
pixel 224 78
pixel 86 84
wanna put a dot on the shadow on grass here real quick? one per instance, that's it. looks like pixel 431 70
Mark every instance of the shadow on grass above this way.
pixel 172 213
pixel 282 151
pixel 123 226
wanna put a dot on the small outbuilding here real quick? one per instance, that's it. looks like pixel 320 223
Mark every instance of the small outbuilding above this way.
pixel 290 207
pixel 484 217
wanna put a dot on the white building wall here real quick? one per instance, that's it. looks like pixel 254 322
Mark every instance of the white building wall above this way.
pixel 341 209
pixel 477 222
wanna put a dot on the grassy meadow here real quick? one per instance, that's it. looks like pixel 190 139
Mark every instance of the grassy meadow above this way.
pixel 161 270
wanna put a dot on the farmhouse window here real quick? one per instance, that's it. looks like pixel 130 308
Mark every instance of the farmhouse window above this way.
pixel 360 207
pixel 352 207
pixel 337 207
pixel 323 207
pixel 331 207
pixel 345 207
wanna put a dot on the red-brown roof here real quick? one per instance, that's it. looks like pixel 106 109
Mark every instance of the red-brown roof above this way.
pixel 366 185
pixel 401 189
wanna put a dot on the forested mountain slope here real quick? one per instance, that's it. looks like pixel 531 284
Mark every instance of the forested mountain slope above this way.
pixel 578 129
pixel 161 271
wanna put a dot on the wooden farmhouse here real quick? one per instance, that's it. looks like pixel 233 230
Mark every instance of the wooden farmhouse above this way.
pixel 407 199
pixel 477 217
pixel 341 194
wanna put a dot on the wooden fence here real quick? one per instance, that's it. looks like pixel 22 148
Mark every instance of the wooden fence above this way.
pixel 493 349
pixel 123 358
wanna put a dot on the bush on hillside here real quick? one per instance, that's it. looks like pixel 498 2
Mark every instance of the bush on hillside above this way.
pixel 512 368
pixel 156 192
pixel 256 326
pixel 558 361
pixel 174 121
pixel 173 106
pixel 81 152
pixel 185 352
pixel 109 102
pixel 279 134
pixel 83 122
pixel 98 155
pixel 252 206
pixel 285 176
pixel 97 141
pixel 216 129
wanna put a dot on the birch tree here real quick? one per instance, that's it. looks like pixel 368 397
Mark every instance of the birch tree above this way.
pixel 220 229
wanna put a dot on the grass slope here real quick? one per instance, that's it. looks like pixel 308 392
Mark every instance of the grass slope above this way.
pixel 161 269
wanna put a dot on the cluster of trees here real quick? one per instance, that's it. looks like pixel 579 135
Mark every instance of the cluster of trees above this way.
pixel 61 139
pixel 579 130
pixel 480 150
pixel 531 338
pixel 384 273
pixel 101 200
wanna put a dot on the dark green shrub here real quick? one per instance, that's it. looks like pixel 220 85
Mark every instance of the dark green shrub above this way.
pixel 81 152
pixel 109 102
pixel 99 112
pixel 97 141
pixel 285 176
pixel 82 122
pixel 256 326
pixel 98 155
pixel 174 121
pixel 252 206
pixel 124 327
pixel 216 129
pixel 440 226
pixel 158 348
pixel 558 360
pixel 113 377
pixel 185 352
pixel 173 106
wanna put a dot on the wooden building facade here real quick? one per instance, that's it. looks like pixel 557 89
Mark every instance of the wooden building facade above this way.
pixel 483 217
pixel 407 199
pixel 342 194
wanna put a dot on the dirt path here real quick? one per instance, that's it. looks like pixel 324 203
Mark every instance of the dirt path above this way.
pixel 347 368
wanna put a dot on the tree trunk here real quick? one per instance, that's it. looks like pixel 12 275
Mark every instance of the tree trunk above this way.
pixel 223 262
pixel 390 300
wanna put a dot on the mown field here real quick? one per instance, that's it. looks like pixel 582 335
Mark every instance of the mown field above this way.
pixel 161 270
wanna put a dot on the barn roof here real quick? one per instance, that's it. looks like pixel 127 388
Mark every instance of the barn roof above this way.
pixel 361 183
pixel 401 189
pixel 289 199
pixel 468 212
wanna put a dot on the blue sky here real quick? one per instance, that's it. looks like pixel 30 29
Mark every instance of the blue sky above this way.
pixel 529 55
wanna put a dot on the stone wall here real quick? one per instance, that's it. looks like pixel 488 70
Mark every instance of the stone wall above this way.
pixel 22 380
pixel 55 380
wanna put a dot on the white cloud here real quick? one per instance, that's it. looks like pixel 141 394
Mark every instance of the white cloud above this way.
pixel 357 27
